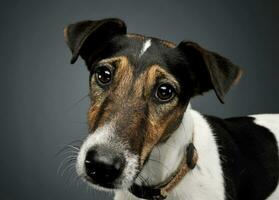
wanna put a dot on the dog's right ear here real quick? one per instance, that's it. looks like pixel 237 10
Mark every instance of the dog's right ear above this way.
pixel 87 37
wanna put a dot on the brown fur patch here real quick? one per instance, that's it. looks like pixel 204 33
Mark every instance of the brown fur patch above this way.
pixel 91 116
pixel 238 77
pixel 122 78
pixel 157 128
pixel 157 71
pixel 140 86
pixel 147 80
pixel 158 123
pixel 136 36
pixel 65 32
pixel 168 44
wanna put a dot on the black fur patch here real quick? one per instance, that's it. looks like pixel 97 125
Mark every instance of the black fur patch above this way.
pixel 249 156
pixel 158 54
pixel 196 69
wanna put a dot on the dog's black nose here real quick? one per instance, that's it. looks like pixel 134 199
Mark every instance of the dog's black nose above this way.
pixel 104 166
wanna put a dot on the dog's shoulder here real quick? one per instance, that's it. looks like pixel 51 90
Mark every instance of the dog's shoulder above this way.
pixel 248 147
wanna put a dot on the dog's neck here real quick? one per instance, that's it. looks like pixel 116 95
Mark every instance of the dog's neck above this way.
pixel 203 182
pixel 165 158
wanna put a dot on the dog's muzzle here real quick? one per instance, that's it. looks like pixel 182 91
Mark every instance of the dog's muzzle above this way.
pixel 104 160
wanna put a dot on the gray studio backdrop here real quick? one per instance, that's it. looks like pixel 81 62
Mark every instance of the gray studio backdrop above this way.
pixel 42 104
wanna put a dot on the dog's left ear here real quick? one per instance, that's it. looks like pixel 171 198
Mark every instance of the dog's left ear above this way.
pixel 87 37
pixel 210 70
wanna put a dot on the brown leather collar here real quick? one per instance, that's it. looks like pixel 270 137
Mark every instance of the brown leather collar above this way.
pixel 161 191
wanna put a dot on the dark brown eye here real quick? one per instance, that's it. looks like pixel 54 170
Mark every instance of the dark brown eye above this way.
pixel 103 75
pixel 165 92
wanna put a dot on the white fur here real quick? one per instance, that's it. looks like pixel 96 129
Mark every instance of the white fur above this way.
pixel 203 182
pixel 145 46
pixel 105 136
pixel 271 122
pixel 169 154
pixel 101 136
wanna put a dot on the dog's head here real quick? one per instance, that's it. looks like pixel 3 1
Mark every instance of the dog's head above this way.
pixel 139 89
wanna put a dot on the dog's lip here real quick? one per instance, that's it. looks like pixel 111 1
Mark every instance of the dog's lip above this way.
pixel 103 185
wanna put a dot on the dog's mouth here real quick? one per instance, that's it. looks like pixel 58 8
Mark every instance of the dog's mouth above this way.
pixel 109 186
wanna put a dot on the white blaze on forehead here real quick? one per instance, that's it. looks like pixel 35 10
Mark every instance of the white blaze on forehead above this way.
pixel 145 46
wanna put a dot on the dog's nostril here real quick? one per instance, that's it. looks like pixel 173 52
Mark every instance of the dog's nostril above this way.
pixel 103 166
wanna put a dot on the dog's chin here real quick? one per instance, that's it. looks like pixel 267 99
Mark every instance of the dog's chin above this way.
pixel 107 187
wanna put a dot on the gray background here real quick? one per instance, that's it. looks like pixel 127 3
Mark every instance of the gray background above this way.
pixel 40 91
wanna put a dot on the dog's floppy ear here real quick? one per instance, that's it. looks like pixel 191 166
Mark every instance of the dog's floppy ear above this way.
pixel 85 37
pixel 211 71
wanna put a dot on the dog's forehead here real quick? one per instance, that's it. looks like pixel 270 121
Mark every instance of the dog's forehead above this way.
pixel 143 52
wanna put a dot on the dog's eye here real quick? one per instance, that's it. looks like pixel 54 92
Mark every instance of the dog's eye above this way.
pixel 103 75
pixel 165 92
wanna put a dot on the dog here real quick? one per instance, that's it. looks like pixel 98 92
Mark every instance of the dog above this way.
pixel 146 142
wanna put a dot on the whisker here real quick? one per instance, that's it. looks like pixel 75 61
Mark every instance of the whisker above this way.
pixel 144 180
pixel 70 159
pixel 171 144
pixel 77 180
pixel 159 162
pixel 69 173
pixel 73 147
pixel 68 168
pixel 77 102
pixel 158 149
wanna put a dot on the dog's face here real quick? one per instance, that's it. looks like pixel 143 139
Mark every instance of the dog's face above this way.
pixel 139 90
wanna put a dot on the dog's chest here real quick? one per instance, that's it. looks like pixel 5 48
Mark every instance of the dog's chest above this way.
pixel 209 180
